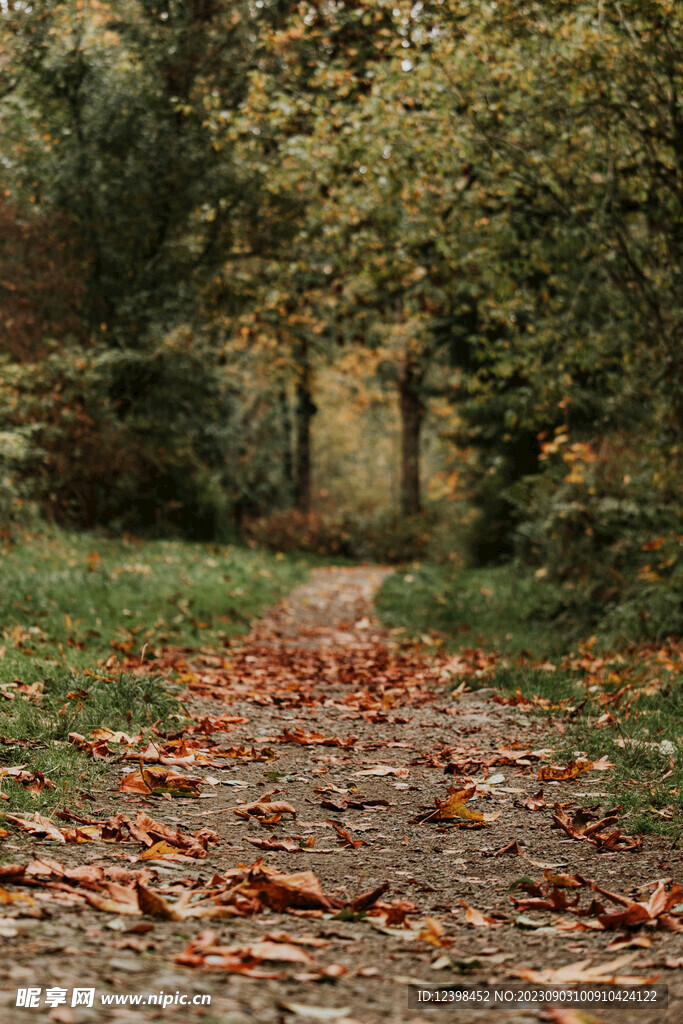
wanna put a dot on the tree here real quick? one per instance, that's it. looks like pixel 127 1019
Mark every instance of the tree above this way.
pixel 584 155
pixel 119 93
pixel 347 133
pixel 107 110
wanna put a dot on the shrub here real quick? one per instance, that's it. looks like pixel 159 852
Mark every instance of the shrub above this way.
pixel 15 506
pixel 603 521
pixel 383 536
pixel 18 453
pixel 128 440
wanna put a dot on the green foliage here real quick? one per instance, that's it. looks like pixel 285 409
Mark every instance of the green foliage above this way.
pixel 42 291
pixel 602 529
pixel 156 440
pixel 575 318
pixel 111 133
pixel 15 453
pixel 106 113
pixel 131 440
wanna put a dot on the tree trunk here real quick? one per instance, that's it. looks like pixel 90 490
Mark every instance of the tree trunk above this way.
pixel 412 413
pixel 304 412
pixel 287 456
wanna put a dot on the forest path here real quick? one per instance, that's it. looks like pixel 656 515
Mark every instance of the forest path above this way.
pixel 316 743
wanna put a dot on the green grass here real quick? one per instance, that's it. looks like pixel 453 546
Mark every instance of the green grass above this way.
pixel 68 603
pixel 35 732
pixel 646 780
pixel 496 610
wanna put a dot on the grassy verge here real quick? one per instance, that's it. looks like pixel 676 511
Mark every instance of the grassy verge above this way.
pixel 68 603
pixel 492 608
pixel 627 704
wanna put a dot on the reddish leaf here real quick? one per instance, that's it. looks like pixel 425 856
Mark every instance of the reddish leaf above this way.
pixel 535 802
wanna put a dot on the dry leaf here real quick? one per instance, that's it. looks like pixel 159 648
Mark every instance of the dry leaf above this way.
pixel 535 802
pixel 158 781
pixel 37 825
pixel 290 845
pixel 383 769
pixel 454 807
pixel 597 832
pixel 474 917
pixel 344 837
pixel 264 807
pixel 583 973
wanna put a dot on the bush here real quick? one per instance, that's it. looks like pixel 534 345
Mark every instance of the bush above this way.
pixel 18 453
pixel 15 507
pixel 603 521
pixel 128 440
pixel 381 536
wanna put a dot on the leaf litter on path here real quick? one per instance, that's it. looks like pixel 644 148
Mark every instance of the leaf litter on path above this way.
pixel 277 708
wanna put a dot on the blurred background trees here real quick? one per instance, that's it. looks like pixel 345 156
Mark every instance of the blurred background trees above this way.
pixel 383 279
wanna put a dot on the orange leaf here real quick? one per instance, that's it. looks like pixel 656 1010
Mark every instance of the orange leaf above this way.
pixel 474 917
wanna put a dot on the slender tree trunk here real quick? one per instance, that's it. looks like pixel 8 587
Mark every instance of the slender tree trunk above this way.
pixel 304 412
pixel 412 412
pixel 287 455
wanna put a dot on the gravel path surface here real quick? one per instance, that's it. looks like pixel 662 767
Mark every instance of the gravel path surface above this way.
pixel 360 734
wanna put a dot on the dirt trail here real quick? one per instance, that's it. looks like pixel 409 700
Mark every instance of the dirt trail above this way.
pixel 356 729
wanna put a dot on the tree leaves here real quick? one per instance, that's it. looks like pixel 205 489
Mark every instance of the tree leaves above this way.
pixel 583 825
pixel 455 807
pixel 584 973
pixel 573 769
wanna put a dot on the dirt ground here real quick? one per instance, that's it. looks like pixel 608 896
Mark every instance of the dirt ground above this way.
pixel 320 664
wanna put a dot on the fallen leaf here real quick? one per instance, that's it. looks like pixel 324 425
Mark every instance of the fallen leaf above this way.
pixel 276 948
pixel 37 825
pixel 320 1013
pixel 511 848
pixel 562 773
pixel 583 973
pixel 265 808
pixel 599 833
pixel 381 770
pixel 434 933
pixel 344 837
pixel 563 880
pixel 656 909
pixel 313 739
pixel 290 845
pixel 158 781
pixel 476 918
pixel 455 807
pixel 281 892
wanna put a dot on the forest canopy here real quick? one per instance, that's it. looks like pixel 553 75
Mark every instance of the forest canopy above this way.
pixel 248 248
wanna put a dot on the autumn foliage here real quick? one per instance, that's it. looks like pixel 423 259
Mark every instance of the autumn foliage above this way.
pixel 42 284
pixel 211 211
